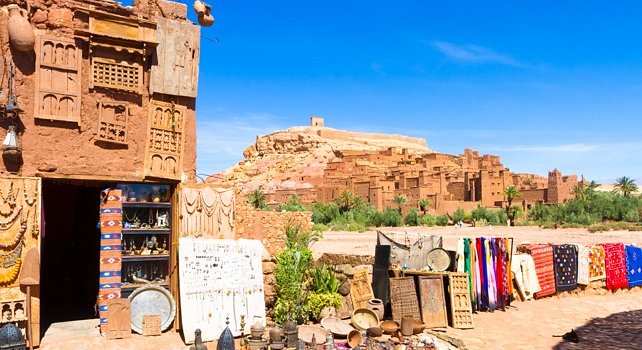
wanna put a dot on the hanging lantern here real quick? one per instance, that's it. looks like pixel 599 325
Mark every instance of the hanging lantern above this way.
pixel 11 143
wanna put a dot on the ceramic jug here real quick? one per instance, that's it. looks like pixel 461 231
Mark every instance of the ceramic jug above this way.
pixel 205 19
pixel 376 305
pixel 20 31
pixel 199 7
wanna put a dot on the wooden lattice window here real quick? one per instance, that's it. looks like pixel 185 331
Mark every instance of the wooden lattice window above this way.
pixel 165 140
pixel 112 122
pixel 109 73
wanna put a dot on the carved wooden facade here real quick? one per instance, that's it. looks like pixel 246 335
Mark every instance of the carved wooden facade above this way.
pixel 165 140
pixel 112 122
pixel 175 63
pixel 58 68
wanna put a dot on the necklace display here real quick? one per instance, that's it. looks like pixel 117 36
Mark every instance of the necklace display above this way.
pixel 5 225
pixel 32 201
pixel 10 198
pixel 18 238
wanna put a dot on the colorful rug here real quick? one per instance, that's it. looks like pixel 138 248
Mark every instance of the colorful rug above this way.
pixel 565 265
pixel 111 227
pixel 582 264
pixel 543 258
pixel 634 265
pixel 597 270
pixel 615 263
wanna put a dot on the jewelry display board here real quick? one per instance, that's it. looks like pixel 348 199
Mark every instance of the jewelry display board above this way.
pixel 174 68
pixel 58 63
pixel 220 279
pixel 165 141
pixel 20 211
pixel 403 298
pixel 461 314
pixel 206 211
pixel 433 302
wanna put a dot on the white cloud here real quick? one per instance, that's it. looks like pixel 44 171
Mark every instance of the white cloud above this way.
pixel 220 143
pixel 474 54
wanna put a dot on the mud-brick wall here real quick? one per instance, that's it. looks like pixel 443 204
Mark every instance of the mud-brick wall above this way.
pixel 269 228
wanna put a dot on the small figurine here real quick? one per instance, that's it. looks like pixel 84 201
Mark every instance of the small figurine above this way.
pixel 198 341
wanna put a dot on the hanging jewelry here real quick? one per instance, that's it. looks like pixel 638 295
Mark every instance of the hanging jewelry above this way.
pixel 18 238
pixel 32 201
pixel 10 198
pixel 35 228
pixel 5 225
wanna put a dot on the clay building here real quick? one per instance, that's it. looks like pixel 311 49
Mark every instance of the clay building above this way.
pixel 447 181
pixel 95 95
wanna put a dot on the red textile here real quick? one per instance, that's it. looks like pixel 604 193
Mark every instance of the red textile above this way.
pixel 615 263
pixel 543 257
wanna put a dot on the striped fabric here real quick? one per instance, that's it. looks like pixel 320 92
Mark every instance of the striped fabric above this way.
pixel 543 257
pixel 111 227
pixel 615 263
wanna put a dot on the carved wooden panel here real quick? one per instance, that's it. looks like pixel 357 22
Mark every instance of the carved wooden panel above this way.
pixel 403 298
pixel 433 302
pixel 112 122
pixel 165 140
pixel 118 74
pixel 360 289
pixel 175 64
pixel 58 63
pixel 119 318
pixel 461 314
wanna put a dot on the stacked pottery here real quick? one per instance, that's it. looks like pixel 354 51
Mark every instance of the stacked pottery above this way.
pixel 20 31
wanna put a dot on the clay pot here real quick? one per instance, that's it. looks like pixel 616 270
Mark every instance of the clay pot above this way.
pixel 374 332
pixel 354 339
pixel 276 334
pixel 407 325
pixel 376 305
pixel 20 31
pixel 205 19
pixel 199 7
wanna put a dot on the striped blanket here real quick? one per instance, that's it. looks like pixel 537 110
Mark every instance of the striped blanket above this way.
pixel 111 227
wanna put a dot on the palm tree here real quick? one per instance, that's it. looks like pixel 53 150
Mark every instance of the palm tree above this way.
pixel 511 193
pixel 625 185
pixel 257 199
pixel 423 205
pixel 345 201
pixel 400 199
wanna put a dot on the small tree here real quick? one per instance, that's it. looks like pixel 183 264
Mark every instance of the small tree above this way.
pixel 257 199
pixel 423 205
pixel 346 201
pixel 511 193
pixel 400 199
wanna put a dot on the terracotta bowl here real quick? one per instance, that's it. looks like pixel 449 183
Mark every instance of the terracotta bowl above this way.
pixel 389 326
pixel 363 319
pixel 354 339
pixel 417 327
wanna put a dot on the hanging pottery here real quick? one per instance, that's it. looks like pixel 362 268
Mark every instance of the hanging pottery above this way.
pixel 20 30
pixel 206 19
pixel 199 7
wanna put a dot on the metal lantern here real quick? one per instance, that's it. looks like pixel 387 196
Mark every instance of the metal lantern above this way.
pixel 291 333
pixel 226 340
pixel 11 338
pixel 11 143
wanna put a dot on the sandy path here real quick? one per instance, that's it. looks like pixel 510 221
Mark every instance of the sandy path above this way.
pixel 610 321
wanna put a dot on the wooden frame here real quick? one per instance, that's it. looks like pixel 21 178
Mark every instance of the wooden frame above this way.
pixel 403 298
pixel 461 314
pixel 360 289
pixel 165 140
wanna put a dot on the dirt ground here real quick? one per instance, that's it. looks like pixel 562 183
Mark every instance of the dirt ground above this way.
pixel 608 321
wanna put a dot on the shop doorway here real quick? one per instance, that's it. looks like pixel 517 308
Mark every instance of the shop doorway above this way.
pixel 70 251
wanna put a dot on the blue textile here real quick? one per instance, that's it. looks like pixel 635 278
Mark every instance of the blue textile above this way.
pixel 634 265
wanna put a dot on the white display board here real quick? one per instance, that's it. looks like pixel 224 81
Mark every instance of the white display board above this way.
pixel 220 278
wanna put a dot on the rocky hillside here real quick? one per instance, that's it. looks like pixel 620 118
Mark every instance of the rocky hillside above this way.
pixel 284 159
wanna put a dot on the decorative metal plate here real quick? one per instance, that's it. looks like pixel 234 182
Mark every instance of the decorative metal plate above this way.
pixel 438 259
pixel 151 300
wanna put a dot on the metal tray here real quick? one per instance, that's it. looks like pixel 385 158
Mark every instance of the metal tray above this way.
pixel 152 300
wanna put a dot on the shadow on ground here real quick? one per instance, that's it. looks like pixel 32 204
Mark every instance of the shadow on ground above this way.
pixel 618 331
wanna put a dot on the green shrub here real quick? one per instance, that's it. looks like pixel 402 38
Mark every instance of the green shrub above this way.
pixel 317 301
pixel 441 220
pixel 428 220
pixel 293 204
pixel 412 218
pixel 324 279
pixel 459 215
pixel 391 217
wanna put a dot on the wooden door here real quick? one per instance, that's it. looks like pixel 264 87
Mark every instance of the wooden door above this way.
pixel 433 302
pixel 461 313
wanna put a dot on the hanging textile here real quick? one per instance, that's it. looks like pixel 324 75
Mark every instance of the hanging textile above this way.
pixel 525 275
pixel 508 245
pixel 483 269
pixel 615 263
pixel 543 258
pixel 460 258
pixel 565 265
pixel 468 269
pixel 111 229
pixel 634 265
pixel 477 278
pixel 207 211
pixel 582 264
pixel 597 268
pixel 411 255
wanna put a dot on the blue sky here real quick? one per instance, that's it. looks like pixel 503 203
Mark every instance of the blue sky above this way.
pixel 542 84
